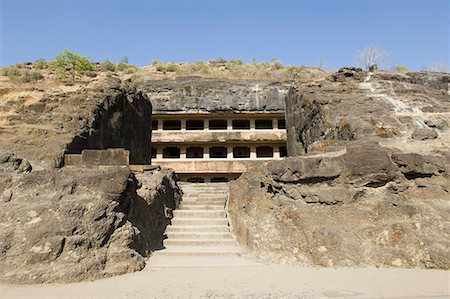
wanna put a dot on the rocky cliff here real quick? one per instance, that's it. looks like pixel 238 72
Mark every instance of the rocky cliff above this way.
pixel 396 109
pixel 197 94
pixel 43 121
pixel 74 223
pixel 367 180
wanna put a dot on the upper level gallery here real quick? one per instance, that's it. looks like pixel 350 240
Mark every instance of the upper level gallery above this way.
pixel 210 128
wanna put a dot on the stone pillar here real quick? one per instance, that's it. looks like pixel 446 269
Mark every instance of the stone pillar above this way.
pixel 182 153
pixel 229 124
pixel 159 152
pixel 160 124
pixel 276 152
pixel 229 152
pixel 253 152
pixel 206 152
pixel 183 125
pixel 275 124
pixel 252 124
pixel 206 125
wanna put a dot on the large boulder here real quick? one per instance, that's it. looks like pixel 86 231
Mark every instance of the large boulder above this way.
pixel 371 206
pixel 74 224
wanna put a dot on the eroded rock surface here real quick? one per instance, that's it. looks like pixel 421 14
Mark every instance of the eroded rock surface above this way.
pixel 371 206
pixel 73 224
pixel 40 123
pixel 196 94
pixel 395 109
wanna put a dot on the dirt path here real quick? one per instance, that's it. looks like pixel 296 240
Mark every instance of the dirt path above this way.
pixel 266 281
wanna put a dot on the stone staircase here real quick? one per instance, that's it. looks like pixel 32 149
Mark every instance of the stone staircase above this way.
pixel 200 234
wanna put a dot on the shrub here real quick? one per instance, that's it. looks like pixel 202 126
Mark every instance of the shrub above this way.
pixel 276 64
pixel 31 77
pixel 40 64
pixel 11 72
pixel 217 62
pixel 70 64
pixel 401 68
pixel 295 71
pixel 107 66
pixel 200 67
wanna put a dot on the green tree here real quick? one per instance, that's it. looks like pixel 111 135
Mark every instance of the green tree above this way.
pixel 70 64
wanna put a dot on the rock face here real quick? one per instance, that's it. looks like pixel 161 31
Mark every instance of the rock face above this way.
pixel 74 223
pixel 367 183
pixel 194 94
pixel 371 206
pixel 397 110
pixel 42 123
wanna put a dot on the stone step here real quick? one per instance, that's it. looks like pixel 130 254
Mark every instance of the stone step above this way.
pixel 198 228
pixel 198 242
pixel 199 235
pixel 204 196
pixel 204 202
pixel 201 207
pixel 199 214
pixel 229 260
pixel 179 221
pixel 199 251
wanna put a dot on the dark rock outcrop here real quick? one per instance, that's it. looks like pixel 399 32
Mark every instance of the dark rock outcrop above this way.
pixel 194 94
pixel 42 124
pixel 121 120
pixel 74 224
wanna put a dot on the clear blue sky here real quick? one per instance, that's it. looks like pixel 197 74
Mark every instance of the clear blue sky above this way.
pixel 414 32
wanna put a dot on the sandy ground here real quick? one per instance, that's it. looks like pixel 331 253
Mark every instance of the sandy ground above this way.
pixel 265 281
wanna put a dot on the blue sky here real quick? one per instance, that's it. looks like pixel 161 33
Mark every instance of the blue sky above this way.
pixel 414 32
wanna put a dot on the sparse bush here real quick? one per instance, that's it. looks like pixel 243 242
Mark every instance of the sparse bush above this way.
pixel 131 69
pixel 438 68
pixel 295 71
pixel 200 67
pixel 167 67
pixel 107 66
pixel 12 72
pixel 276 64
pixel 31 77
pixel 217 62
pixel 401 68
pixel 40 64
pixel 70 64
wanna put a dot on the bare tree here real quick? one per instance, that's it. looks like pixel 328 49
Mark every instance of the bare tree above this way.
pixel 438 68
pixel 370 56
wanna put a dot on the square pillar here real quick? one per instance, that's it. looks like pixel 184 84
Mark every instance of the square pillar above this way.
pixel 183 125
pixel 206 125
pixel 229 152
pixel 276 152
pixel 160 124
pixel 159 152
pixel 275 124
pixel 182 153
pixel 252 124
pixel 206 152
pixel 229 124
pixel 253 152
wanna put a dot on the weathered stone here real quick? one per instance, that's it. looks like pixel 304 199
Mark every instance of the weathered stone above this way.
pixel 423 134
pixel 366 214
pixel 79 223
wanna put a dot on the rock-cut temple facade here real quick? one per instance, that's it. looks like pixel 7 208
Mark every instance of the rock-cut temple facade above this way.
pixel 213 132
